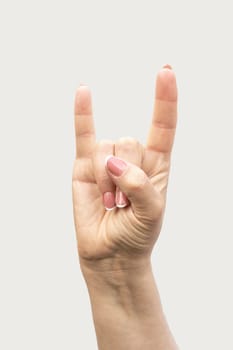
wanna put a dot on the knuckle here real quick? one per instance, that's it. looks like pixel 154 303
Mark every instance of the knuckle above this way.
pixel 103 179
pixel 127 139
pixel 136 181
pixel 126 143
pixel 104 142
pixel 102 147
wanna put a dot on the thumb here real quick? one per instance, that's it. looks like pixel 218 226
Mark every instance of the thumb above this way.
pixel 145 200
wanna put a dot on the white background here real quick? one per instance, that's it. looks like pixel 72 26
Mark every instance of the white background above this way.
pixel 47 49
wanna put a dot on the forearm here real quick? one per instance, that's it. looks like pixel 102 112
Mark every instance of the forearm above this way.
pixel 127 311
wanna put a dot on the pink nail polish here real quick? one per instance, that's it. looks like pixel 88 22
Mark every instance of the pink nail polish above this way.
pixel 115 165
pixel 121 199
pixel 109 200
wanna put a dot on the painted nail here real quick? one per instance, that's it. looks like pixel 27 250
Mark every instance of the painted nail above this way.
pixel 167 66
pixel 120 199
pixel 109 200
pixel 115 165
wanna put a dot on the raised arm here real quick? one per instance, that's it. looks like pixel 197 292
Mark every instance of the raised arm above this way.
pixel 119 196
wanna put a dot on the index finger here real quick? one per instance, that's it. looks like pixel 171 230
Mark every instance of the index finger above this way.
pixel 162 131
pixel 84 123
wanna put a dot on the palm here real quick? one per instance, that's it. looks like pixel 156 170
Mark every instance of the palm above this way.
pixel 101 233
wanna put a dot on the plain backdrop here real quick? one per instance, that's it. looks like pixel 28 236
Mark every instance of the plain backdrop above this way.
pixel 47 48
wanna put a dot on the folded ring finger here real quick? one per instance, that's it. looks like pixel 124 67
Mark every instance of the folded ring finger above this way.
pixel 130 150
pixel 103 149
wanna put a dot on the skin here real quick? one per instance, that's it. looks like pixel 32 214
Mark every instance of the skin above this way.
pixel 115 246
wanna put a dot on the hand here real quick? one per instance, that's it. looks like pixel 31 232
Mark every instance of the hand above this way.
pixel 137 173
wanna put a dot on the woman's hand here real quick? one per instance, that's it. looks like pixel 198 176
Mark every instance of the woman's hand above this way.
pixel 119 195
pixel 137 174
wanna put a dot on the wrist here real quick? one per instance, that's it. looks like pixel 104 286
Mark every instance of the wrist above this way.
pixel 113 269
pixel 128 288
pixel 131 295
pixel 125 291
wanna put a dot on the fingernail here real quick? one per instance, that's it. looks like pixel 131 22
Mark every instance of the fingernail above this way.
pixel 115 165
pixel 120 199
pixel 109 200
pixel 167 66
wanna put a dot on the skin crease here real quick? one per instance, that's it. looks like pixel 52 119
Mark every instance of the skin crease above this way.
pixel 114 243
